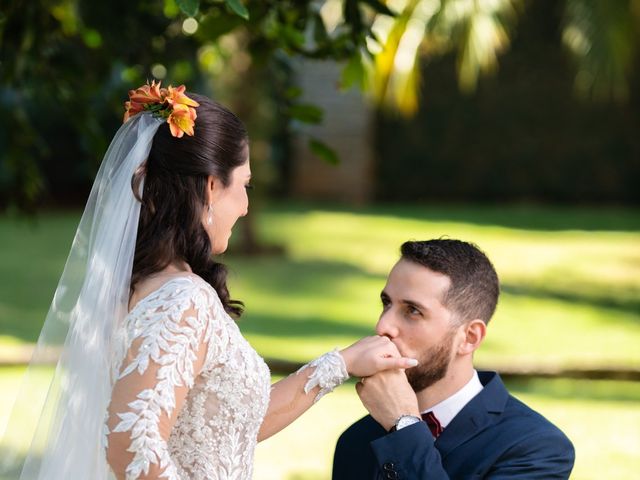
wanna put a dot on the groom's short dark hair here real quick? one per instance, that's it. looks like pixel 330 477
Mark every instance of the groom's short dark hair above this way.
pixel 474 286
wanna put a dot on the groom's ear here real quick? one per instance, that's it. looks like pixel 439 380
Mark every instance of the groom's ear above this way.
pixel 473 333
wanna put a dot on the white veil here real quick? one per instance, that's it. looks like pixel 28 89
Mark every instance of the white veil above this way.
pixel 83 330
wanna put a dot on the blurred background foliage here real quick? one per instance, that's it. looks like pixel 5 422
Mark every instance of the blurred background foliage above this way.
pixel 527 133
pixel 553 125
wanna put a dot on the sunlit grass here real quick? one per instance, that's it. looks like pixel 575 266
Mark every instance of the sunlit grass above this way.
pixel 522 246
pixel 32 396
pixel 606 449
pixel 602 418
pixel 571 278
pixel 304 451
pixel 571 297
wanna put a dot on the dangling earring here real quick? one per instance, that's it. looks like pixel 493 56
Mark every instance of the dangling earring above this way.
pixel 210 216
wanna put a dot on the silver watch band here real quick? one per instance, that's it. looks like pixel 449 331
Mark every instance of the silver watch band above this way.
pixel 406 420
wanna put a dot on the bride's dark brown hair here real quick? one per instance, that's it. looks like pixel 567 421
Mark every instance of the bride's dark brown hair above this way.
pixel 173 197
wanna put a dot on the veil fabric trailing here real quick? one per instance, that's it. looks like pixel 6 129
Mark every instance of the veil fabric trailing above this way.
pixel 55 429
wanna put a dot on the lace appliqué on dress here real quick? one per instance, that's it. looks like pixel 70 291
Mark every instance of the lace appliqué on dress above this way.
pixel 171 340
pixel 215 433
pixel 330 372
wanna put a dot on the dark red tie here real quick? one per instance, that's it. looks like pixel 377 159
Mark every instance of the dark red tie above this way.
pixel 434 424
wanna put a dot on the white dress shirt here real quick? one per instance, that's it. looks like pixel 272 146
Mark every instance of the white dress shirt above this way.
pixel 447 409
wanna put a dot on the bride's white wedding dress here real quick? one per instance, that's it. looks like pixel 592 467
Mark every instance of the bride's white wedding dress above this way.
pixel 182 390
pixel 183 350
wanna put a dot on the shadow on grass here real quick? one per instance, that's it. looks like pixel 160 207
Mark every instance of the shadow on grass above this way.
pixel 279 278
pixel 307 293
pixel 277 326
pixel 524 217
pixel 626 302
pixel 286 277
pixel 578 390
pixel 302 287
pixel 25 293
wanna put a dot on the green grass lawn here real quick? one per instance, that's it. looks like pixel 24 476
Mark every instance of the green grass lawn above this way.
pixel 571 297
pixel 571 278
pixel 605 450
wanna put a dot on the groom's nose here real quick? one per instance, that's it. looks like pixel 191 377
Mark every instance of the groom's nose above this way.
pixel 386 325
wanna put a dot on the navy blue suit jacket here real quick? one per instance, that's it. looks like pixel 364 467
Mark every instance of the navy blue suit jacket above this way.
pixel 494 436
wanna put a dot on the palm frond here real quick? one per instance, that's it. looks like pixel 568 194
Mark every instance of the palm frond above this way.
pixel 395 77
pixel 603 38
pixel 479 30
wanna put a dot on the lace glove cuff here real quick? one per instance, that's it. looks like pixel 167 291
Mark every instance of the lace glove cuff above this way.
pixel 330 372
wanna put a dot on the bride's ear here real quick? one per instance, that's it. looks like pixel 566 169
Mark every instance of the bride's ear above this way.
pixel 213 190
pixel 210 189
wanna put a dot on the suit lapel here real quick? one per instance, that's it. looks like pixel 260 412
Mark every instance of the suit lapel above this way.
pixel 482 411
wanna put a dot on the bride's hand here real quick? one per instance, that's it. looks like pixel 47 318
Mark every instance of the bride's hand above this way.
pixel 373 354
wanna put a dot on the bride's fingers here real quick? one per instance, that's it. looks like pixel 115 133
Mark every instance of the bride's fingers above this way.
pixel 388 363
pixel 389 350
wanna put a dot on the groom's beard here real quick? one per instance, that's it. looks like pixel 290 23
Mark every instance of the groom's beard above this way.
pixel 433 365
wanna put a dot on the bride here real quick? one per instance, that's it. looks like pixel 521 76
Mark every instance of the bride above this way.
pixel 154 378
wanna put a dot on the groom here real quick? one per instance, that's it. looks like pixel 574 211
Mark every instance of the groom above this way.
pixel 443 419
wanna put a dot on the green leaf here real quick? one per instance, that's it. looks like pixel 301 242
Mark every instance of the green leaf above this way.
pixel 306 113
pixel 293 92
pixel 238 8
pixel 189 7
pixel 353 73
pixel 323 151
pixel 92 38
pixel 320 34
pixel 292 36
pixel 213 27
pixel 170 9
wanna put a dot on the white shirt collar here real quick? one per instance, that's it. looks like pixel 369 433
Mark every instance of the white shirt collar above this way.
pixel 446 410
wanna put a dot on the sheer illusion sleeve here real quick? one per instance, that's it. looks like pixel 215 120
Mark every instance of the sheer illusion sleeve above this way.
pixel 169 342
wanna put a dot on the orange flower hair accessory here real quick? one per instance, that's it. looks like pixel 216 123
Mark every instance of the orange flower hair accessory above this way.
pixel 170 103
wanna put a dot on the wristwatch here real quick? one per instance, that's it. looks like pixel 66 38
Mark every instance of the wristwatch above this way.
pixel 405 421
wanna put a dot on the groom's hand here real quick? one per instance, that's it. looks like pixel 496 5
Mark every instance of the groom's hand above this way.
pixel 387 395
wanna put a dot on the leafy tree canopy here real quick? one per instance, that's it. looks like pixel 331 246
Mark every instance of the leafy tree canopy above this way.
pixel 64 64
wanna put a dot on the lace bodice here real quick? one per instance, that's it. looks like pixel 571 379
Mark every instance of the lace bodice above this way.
pixel 191 392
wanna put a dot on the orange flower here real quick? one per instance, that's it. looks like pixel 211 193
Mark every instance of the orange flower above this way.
pixel 131 109
pixel 176 96
pixel 170 103
pixel 181 120
pixel 147 93
pixel 144 95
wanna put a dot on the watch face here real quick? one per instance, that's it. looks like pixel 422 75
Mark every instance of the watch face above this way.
pixel 406 420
